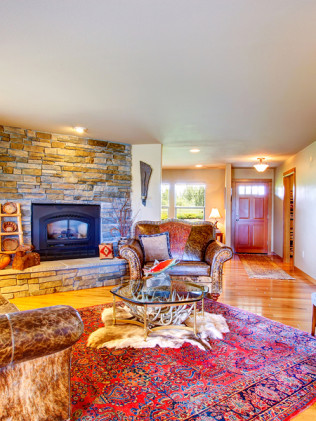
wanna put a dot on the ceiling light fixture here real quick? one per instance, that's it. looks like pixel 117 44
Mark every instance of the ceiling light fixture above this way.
pixel 80 129
pixel 260 167
pixel 195 150
pixel 199 165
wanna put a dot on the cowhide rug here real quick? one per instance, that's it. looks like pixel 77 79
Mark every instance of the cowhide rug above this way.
pixel 129 335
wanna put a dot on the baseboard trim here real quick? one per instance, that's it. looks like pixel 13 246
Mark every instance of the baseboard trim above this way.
pixel 309 278
pixel 274 254
pixel 312 280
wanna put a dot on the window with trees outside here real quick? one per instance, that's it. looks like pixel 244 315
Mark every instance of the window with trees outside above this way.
pixel 165 201
pixel 190 201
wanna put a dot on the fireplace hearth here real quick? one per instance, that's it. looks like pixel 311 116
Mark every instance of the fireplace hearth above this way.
pixel 66 231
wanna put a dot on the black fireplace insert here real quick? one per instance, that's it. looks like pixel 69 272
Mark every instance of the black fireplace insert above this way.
pixel 66 231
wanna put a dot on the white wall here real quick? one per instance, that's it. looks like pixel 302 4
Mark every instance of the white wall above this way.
pixel 151 155
pixel 305 209
pixel 214 180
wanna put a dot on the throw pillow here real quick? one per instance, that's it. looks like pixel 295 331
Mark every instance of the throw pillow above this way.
pixel 155 247
pixel 106 251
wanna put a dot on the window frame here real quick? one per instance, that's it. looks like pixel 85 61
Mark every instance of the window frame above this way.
pixel 164 206
pixel 189 207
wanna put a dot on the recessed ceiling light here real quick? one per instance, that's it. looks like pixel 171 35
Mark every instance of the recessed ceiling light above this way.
pixel 80 129
pixel 199 165
pixel 195 150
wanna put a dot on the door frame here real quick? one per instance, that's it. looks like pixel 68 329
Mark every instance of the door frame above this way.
pixel 268 183
pixel 286 217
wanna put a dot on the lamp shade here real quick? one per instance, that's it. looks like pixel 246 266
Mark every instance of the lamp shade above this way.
pixel 214 213
pixel 260 167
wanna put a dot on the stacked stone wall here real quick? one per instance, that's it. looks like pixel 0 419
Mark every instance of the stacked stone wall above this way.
pixel 43 167
pixel 15 284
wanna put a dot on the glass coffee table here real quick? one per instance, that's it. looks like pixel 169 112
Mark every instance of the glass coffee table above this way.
pixel 161 307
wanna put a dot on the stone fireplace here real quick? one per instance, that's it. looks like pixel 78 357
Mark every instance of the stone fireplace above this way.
pixel 37 167
pixel 65 231
pixel 41 168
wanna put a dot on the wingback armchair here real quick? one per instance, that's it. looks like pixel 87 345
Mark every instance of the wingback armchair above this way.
pixel 193 243
pixel 35 353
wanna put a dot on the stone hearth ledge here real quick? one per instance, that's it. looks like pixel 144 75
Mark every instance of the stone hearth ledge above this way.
pixel 66 264
pixel 61 276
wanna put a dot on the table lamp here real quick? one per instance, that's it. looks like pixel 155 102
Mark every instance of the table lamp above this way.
pixel 215 215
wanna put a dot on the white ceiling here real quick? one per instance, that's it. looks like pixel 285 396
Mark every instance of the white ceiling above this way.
pixel 235 78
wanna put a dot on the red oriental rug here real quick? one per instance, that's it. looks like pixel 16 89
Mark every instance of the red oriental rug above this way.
pixel 262 370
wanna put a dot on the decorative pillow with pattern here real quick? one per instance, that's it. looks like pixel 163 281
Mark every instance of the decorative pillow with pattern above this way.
pixel 106 251
pixel 155 247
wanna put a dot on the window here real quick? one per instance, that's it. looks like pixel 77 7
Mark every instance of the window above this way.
pixel 165 201
pixel 254 190
pixel 190 201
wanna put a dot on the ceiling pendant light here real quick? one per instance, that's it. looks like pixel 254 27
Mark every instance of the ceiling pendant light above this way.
pixel 260 167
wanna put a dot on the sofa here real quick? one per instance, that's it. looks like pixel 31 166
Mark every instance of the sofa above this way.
pixel 193 243
pixel 35 353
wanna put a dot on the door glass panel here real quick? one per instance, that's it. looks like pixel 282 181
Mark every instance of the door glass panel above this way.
pixel 255 190
pixel 261 191
pixel 241 189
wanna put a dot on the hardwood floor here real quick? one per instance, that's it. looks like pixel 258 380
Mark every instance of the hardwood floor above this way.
pixel 287 301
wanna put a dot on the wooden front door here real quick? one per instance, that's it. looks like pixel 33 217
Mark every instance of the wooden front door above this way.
pixel 250 216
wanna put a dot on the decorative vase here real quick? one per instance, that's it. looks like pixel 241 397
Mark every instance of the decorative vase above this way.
pixel 121 242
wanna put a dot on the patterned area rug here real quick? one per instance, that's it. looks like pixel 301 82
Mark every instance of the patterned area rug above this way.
pixel 262 267
pixel 262 370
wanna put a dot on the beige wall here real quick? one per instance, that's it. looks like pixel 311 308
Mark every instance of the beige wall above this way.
pixel 151 154
pixel 251 173
pixel 214 180
pixel 305 209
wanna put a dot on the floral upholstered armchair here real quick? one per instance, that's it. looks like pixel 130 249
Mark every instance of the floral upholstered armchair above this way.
pixel 193 243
